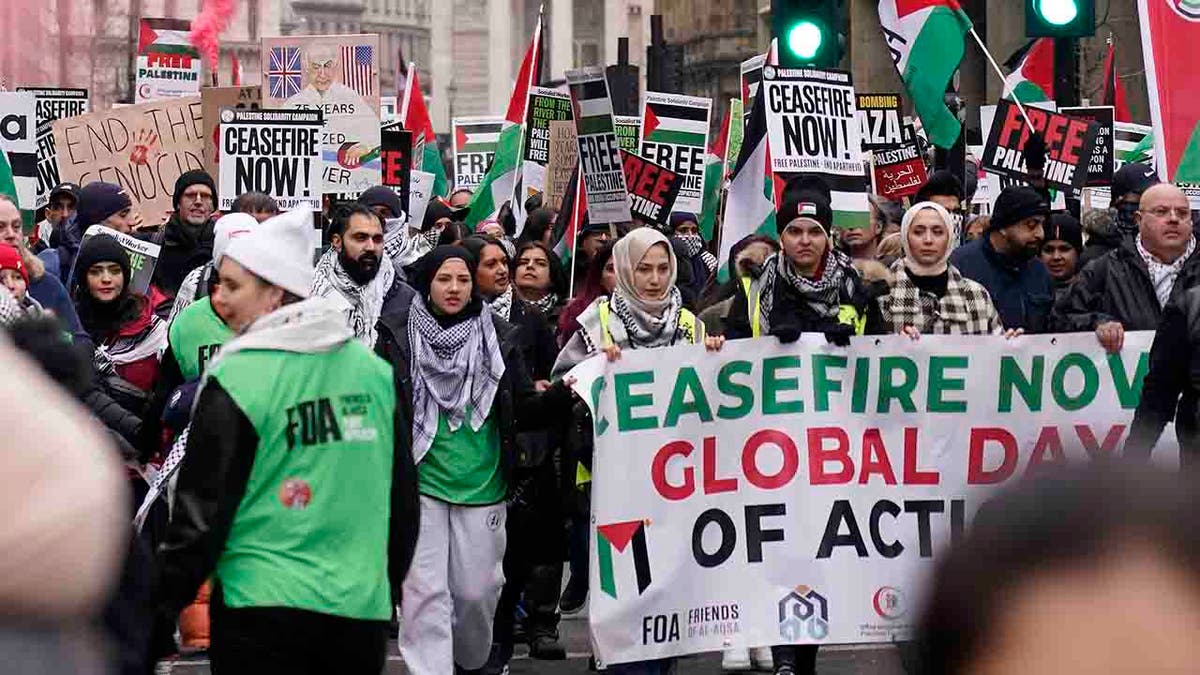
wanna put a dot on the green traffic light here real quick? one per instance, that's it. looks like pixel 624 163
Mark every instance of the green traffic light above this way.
pixel 1058 12
pixel 804 39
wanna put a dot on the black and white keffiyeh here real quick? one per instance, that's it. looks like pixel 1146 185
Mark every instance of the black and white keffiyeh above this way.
pixel 454 369
pixel 693 244
pixel 502 305
pixel 645 330
pixel 822 294
pixel 361 304
pixel 547 304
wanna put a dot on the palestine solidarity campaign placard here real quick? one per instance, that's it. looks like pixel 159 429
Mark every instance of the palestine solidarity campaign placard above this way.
pixel 276 152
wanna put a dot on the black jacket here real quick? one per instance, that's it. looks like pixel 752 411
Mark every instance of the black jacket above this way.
pixel 1100 244
pixel 1117 287
pixel 535 337
pixel 182 251
pixel 791 315
pixel 1171 389
pixel 1021 290
pixel 212 480
pixel 516 407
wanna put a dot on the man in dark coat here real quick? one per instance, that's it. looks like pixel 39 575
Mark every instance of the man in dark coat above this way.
pixel 1127 288
pixel 188 234
pixel 1005 260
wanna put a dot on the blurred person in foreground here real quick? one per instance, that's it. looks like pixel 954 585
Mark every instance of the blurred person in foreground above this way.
pixel 1079 571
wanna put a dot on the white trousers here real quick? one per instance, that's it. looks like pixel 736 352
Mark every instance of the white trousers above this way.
pixel 452 587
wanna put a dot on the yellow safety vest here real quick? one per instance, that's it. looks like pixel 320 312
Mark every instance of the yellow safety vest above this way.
pixel 687 321
pixel 847 314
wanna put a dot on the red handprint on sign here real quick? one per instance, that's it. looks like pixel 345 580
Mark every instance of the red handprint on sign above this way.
pixel 143 144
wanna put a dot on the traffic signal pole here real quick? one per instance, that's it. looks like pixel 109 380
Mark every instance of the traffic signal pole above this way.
pixel 1066 71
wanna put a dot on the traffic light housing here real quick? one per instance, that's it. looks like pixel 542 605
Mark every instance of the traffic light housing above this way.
pixel 809 32
pixel 1060 18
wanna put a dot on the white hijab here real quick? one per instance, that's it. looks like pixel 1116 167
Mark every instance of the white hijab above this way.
pixel 952 241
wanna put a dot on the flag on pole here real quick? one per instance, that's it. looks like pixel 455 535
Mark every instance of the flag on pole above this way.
pixel 750 201
pixel 927 39
pixel 500 181
pixel 1113 92
pixel 714 176
pixel 570 219
pixel 415 117
pixel 1032 76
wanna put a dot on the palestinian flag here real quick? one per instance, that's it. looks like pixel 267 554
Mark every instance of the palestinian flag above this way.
pixel 750 201
pixel 714 176
pixel 499 182
pixel 1133 143
pixel 927 39
pixel 477 136
pixel 1113 92
pixel 571 215
pixel 415 117
pixel 166 36
pixel 1032 76
pixel 675 125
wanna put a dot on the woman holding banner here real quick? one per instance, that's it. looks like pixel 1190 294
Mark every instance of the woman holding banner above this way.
pixel 645 310
pixel 929 295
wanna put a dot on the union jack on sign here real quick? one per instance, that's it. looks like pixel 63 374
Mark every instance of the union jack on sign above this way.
pixel 283 74
pixel 356 69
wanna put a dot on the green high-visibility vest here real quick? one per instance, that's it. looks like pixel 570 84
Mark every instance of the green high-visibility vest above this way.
pixel 195 336
pixel 311 531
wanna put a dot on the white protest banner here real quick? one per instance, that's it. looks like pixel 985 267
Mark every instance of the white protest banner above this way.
pixel 879 119
pixel 420 191
pixel 143 148
pixel 629 132
pixel 675 135
pixel 812 128
pixel 275 152
pixel 53 103
pixel 387 109
pixel 564 160
pixel 143 255
pixel 339 76
pixel 474 141
pixel 18 145
pixel 599 152
pixel 168 64
pixel 212 100
pixel 776 494
pixel 751 79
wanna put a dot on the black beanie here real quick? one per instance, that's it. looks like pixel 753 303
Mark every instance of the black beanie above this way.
pixel 1064 227
pixel 190 178
pixel 1015 204
pixel 100 248
pixel 381 195
pixel 941 182
pixel 807 204
pixel 99 200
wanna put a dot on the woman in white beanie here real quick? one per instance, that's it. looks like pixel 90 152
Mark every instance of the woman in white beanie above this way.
pixel 929 295
pixel 290 494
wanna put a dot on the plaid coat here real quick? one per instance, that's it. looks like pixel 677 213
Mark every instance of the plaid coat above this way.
pixel 965 309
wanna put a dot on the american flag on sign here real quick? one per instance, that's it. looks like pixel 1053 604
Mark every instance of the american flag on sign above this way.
pixel 283 72
pixel 356 69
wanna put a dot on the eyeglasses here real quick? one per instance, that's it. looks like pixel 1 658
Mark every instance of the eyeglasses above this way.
pixel 198 195
pixel 1182 213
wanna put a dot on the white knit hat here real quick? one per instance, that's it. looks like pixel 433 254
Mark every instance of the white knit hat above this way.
pixel 228 227
pixel 279 251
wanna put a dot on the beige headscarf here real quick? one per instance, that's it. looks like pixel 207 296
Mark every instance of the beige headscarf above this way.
pixel 627 253
pixel 951 242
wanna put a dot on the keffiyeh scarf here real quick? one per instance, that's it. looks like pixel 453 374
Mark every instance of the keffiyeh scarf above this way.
pixel 362 303
pixel 454 370
pixel 502 305
pixel 1163 275
pixel 693 244
pixel 821 294
pixel 547 304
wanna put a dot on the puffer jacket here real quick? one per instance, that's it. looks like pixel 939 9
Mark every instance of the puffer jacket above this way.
pixel 1117 287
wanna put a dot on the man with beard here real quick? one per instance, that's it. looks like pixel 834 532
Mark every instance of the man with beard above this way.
pixel 350 272
pixel 1005 260
pixel 188 237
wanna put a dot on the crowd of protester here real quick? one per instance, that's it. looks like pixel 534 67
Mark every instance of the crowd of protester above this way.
pixel 461 340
